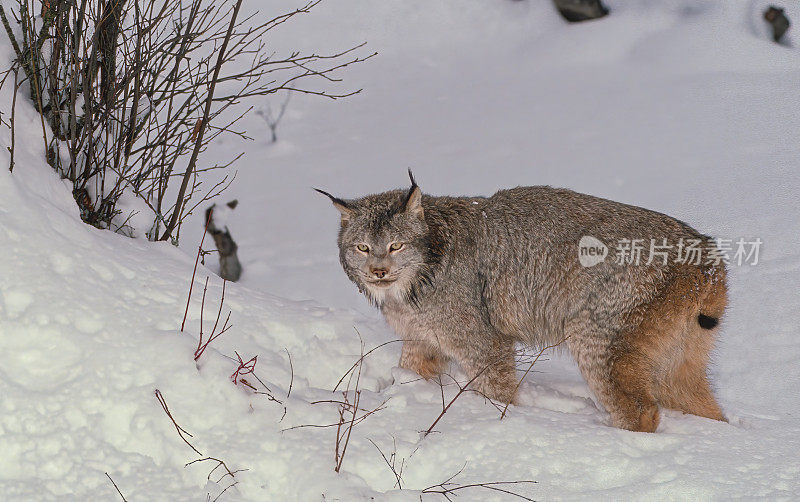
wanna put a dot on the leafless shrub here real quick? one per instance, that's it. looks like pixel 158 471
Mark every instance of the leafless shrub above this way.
pixel 134 92
pixel 272 117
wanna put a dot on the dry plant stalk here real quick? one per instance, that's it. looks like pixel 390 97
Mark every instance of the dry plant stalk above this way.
pixel 345 425
pixel 266 392
pixel 347 410
pixel 244 368
pixel 448 489
pixel 391 462
pixel 194 270
pixel 181 430
pixel 201 344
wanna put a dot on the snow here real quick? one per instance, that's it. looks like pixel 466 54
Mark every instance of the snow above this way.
pixel 681 106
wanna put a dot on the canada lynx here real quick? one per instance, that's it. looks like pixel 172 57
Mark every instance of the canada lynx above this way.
pixel 465 278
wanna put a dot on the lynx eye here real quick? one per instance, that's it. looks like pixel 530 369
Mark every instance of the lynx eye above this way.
pixel 363 248
pixel 396 246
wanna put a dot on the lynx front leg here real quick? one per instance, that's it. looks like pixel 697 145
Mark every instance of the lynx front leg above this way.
pixel 422 358
pixel 492 366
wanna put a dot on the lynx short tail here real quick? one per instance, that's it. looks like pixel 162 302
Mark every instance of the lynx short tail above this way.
pixel 707 322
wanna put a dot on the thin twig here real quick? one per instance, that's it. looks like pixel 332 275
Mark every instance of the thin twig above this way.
pixel 181 430
pixel 194 270
pixel 359 360
pixel 530 366
pixel 220 463
pixel 461 390
pixel 325 426
pixel 291 370
pixel 12 148
pixel 447 488
pixel 225 490
pixel 390 465
pixel 116 487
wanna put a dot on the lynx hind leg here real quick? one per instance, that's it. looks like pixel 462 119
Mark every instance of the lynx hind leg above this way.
pixel 620 377
pixel 422 358
pixel 684 385
pixel 659 359
pixel 635 407
pixel 687 390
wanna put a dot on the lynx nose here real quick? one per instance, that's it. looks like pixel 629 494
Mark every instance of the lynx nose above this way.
pixel 380 273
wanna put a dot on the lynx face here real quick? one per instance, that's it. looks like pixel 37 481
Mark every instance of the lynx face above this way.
pixel 384 259
pixel 383 244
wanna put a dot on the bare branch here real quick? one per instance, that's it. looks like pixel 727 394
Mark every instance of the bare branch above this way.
pixel 181 430
pixel 530 366
pixel 116 487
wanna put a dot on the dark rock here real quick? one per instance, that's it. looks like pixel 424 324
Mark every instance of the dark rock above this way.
pixel 230 268
pixel 580 10
pixel 778 21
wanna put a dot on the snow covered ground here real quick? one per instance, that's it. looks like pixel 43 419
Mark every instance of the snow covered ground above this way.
pixel 681 106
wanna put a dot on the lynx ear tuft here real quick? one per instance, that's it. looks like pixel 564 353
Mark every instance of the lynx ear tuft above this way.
pixel 411 177
pixel 413 202
pixel 342 206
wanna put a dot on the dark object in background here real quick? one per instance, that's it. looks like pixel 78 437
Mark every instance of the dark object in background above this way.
pixel 778 20
pixel 229 267
pixel 580 10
